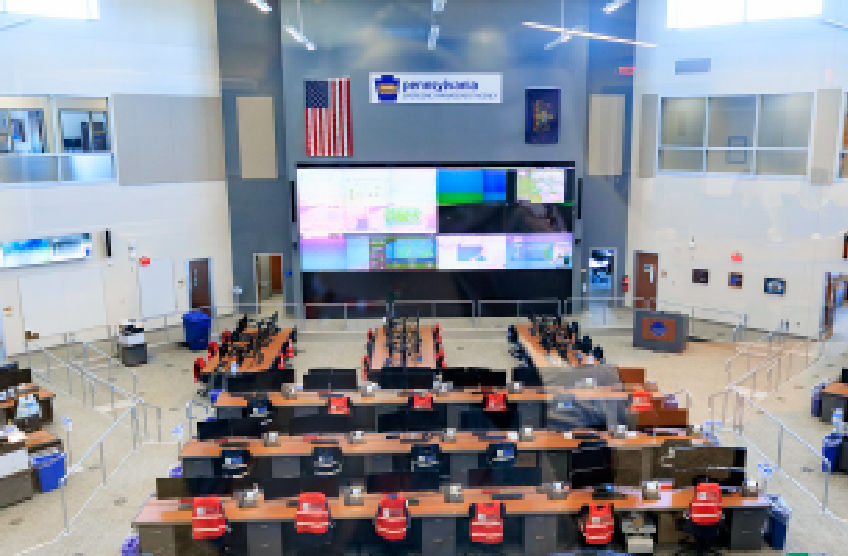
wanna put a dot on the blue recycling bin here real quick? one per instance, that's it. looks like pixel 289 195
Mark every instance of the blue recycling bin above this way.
pixel 197 326
pixel 213 395
pixel 175 472
pixel 831 444
pixel 131 546
pixel 778 523
pixel 49 470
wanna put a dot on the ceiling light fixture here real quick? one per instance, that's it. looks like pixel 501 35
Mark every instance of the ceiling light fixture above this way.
pixel 432 37
pixel 261 5
pixel 297 32
pixel 439 5
pixel 614 5
pixel 589 35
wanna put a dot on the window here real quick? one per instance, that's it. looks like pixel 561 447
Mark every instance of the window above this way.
pixel 70 9
pixel 84 131
pixel 682 14
pixel 750 134
pixel 21 131
pixel 843 157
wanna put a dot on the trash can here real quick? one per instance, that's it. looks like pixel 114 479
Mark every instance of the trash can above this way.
pixel 49 470
pixel 830 450
pixel 197 325
pixel 131 546
pixel 778 522
pixel 815 400
pixel 175 472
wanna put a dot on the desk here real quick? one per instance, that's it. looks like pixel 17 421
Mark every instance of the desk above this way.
pixel 8 407
pixel 439 527
pixel 426 357
pixel 833 396
pixel 543 359
pixel 633 459
pixel 535 406
pixel 251 364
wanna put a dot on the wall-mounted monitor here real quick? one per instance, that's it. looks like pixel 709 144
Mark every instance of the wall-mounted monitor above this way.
pixel 434 217
pixel 45 250
pixel 774 286
pixel 700 276
pixel 734 280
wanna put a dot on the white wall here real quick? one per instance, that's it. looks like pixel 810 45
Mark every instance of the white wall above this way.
pixel 136 47
pixel 785 227
pixel 177 221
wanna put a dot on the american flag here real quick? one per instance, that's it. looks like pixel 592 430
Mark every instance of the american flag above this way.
pixel 328 117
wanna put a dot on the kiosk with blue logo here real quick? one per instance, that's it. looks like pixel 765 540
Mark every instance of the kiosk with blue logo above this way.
pixel 660 331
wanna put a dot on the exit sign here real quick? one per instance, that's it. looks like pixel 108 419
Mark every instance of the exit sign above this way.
pixel 625 70
pixel 736 257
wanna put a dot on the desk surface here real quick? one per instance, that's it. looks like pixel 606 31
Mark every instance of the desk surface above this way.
pixel 432 504
pixel 837 389
pixel 384 443
pixel 425 358
pixel 471 396
pixel 40 394
pixel 40 440
pixel 543 359
pixel 250 364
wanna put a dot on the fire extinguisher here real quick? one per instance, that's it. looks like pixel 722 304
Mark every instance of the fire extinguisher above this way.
pixel 625 283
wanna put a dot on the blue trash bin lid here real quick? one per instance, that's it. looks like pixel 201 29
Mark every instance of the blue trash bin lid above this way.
pixel 195 317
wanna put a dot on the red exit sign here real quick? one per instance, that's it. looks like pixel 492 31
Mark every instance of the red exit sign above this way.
pixel 736 257
pixel 625 70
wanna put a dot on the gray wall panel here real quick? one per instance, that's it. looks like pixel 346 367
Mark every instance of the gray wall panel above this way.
pixel 648 137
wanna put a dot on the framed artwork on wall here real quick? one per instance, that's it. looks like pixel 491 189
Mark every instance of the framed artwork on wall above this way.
pixel 734 280
pixel 774 286
pixel 700 276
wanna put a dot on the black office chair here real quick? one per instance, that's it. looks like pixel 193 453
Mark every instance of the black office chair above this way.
pixel 501 454
pixel 425 457
pixel 703 538
pixel 326 461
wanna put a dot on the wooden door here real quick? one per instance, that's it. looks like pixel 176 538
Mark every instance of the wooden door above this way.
pixel 645 275
pixel 199 285
pixel 276 273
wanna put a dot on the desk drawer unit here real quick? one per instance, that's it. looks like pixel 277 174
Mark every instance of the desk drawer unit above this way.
pixel 530 414
pixel 157 540
pixel 264 539
pixel 438 536
pixel 194 468
pixel 746 528
pixel 379 463
pixel 460 463
pixel 283 467
pixel 540 534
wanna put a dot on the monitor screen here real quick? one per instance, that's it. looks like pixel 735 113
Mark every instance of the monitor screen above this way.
pixel 434 218
pixel 45 250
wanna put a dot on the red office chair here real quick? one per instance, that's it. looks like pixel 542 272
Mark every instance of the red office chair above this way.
pixel 199 363
pixel 495 401
pixel 704 516
pixel 313 514
pixel 207 518
pixel 487 523
pixel 392 520
pixel 598 526
pixel 422 401
pixel 338 405
pixel 641 401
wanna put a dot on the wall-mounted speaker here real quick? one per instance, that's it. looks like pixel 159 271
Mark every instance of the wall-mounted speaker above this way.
pixel 293 202
pixel 579 198
pixel 107 243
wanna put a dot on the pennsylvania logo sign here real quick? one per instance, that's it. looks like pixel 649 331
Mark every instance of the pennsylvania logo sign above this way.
pixel 436 88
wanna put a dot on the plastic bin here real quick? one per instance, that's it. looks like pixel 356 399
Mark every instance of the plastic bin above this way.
pixel 778 523
pixel 49 469
pixel 831 444
pixel 175 472
pixel 131 546
pixel 197 326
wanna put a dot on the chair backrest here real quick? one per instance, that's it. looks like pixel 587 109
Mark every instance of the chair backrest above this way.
pixel 487 523
pixel 392 520
pixel 207 518
pixel 706 506
pixel 313 514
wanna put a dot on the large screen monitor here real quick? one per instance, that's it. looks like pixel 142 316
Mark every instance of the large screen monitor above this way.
pixel 434 217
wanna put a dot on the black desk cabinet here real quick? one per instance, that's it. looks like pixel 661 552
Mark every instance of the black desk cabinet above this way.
pixel 746 528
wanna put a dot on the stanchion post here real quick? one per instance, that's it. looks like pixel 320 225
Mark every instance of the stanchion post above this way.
pixel 102 464
pixel 62 482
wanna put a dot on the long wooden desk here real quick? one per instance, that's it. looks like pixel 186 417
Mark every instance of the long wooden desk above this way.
pixel 426 357
pixel 9 406
pixel 543 359
pixel 251 364
pixel 438 527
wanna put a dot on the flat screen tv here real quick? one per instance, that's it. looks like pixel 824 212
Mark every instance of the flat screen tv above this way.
pixel 700 276
pixel 774 286
pixel 434 217
pixel 45 250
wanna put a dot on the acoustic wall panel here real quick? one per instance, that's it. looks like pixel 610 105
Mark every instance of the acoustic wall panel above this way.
pixel 825 135
pixel 606 135
pixel 168 139
pixel 648 137
pixel 257 139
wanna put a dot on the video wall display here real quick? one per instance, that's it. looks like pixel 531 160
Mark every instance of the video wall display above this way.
pixel 434 218
pixel 45 250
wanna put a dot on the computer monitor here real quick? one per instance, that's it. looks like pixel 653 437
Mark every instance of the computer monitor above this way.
pixel 292 486
pixel 211 430
pixel 343 380
pixel 320 423
pixel 402 481
pixel 209 486
pixel 249 427
pixel 170 488
pixel 504 477
pixel 585 478
pixel 477 419
pixel 489 378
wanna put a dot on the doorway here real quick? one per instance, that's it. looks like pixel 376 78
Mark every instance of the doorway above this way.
pixel 268 278
pixel 835 306
pixel 200 285
pixel 645 271
pixel 602 273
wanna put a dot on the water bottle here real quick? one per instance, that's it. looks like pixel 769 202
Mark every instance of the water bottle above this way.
pixel 836 418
